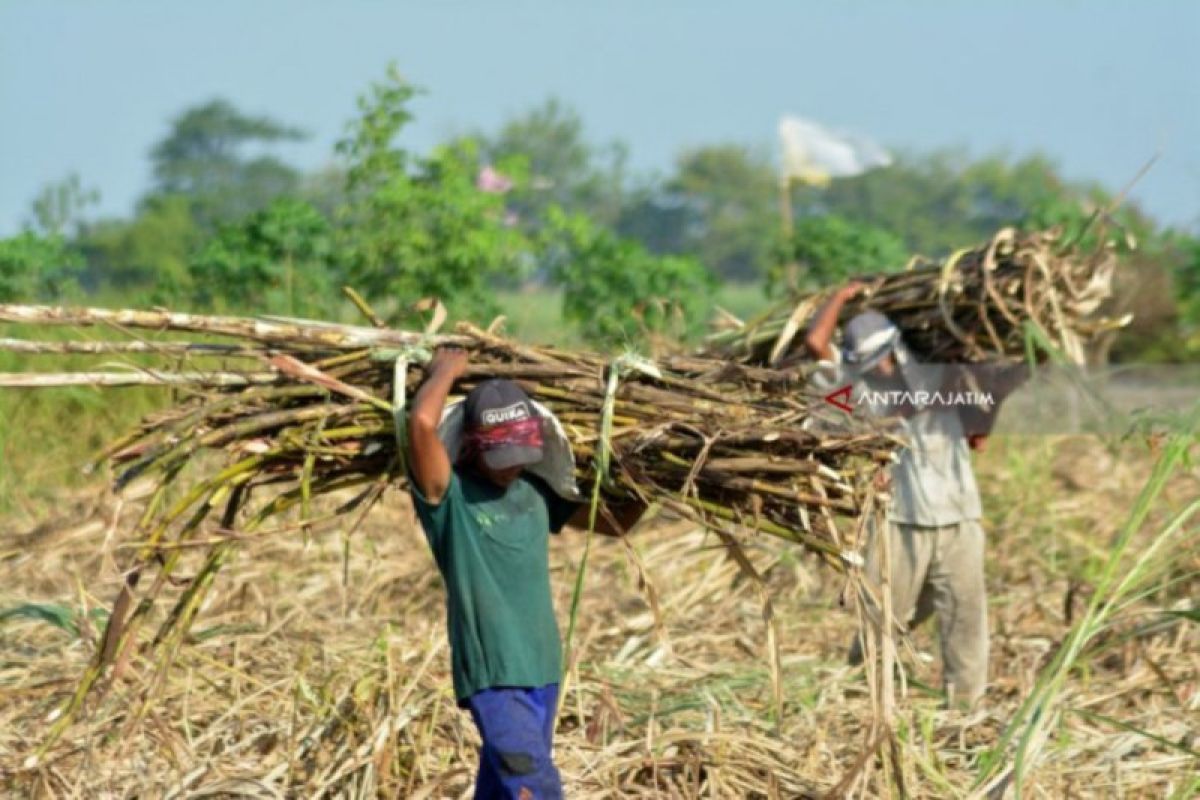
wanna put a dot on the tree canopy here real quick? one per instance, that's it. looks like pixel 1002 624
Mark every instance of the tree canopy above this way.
pixel 209 157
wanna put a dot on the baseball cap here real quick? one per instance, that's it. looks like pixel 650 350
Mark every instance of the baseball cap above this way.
pixel 867 338
pixel 503 425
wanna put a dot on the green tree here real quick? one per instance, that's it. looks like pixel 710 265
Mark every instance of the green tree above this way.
pixel 147 255
pixel 944 200
pixel 565 169
pixel 829 249
pixel 662 222
pixel 417 226
pixel 720 206
pixel 204 158
pixel 37 267
pixel 920 199
pixel 59 207
pixel 278 260
pixel 616 291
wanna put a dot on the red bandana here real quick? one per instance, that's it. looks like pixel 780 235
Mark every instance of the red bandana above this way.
pixel 522 433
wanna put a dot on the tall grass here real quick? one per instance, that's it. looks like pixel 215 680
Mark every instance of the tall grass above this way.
pixel 1128 574
pixel 48 436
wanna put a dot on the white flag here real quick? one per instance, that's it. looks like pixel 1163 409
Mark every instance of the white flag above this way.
pixel 813 154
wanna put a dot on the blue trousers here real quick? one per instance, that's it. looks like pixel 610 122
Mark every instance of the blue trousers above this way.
pixel 517 728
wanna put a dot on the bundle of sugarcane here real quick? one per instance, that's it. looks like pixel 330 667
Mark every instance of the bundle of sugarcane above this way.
pixel 983 304
pixel 297 409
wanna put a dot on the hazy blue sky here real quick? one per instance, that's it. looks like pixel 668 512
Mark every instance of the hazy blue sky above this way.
pixel 1099 86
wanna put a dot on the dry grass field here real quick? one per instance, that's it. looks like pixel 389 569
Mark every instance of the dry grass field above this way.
pixel 320 668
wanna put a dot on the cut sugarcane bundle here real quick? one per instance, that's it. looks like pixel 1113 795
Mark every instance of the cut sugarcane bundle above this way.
pixel 986 303
pixel 291 393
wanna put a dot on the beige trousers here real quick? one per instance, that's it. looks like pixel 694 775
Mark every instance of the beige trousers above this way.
pixel 940 571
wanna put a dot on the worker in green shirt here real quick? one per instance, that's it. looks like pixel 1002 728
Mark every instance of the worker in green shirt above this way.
pixel 488 522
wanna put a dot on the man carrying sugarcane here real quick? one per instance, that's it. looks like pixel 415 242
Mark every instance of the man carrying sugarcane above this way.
pixel 936 542
pixel 487 521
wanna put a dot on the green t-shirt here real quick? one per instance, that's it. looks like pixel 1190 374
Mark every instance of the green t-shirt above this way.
pixel 491 545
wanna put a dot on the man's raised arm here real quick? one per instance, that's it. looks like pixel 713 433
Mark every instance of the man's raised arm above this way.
pixel 428 460
pixel 820 331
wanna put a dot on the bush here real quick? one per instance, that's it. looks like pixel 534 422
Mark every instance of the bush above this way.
pixel 279 260
pixel 829 249
pixel 616 291
pixel 418 226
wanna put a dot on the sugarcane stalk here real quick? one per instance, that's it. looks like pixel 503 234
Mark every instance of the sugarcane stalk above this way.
pixel 143 377
pixel 175 349
pixel 278 330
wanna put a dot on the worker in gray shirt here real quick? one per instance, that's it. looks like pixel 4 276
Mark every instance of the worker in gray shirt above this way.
pixel 936 542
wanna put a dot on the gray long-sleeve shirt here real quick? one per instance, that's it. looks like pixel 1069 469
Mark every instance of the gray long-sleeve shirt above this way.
pixel 932 483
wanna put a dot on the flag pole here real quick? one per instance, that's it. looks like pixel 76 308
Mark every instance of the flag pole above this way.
pixel 787 221
pixel 813 156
